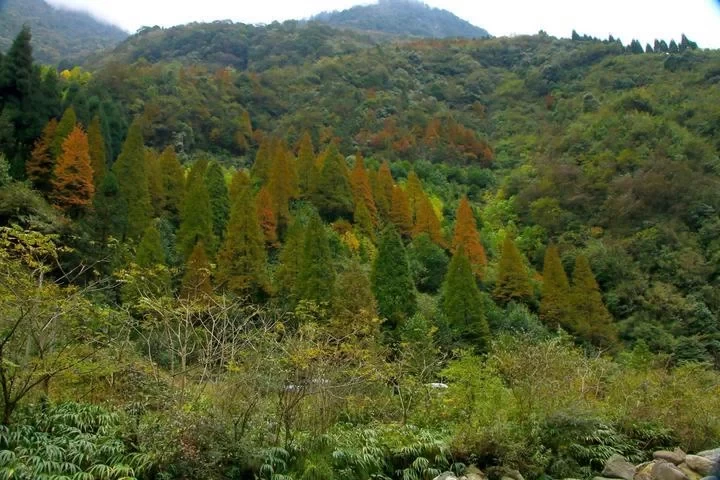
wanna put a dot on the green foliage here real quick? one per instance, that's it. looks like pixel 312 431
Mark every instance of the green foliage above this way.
pixel 150 251
pixel 462 304
pixel 131 176
pixel 219 199
pixel 428 263
pixel 196 215
pixel 316 274
pixel 333 195
pixel 391 280
pixel 68 441
pixel 512 283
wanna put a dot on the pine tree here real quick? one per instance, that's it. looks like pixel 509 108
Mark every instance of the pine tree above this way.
pixel 129 169
pixel 673 48
pixel 73 187
pixel 282 183
pixel 384 189
pixel 173 184
pixel 363 220
pixel 462 303
pixel 98 158
pixel 362 192
pixel 391 280
pixel 263 159
pixel 40 166
pixel 555 299
pixel 155 182
pixel 196 282
pixel 591 318
pixel 196 213
pixel 400 214
pixel 333 196
pixel 307 172
pixel 65 126
pixel 466 236
pixel 415 193
pixel 426 221
pixel 266 217
pixel 513 284
pixel 316 275
pixel 219 198
pixel 240 180
pixel 242 258
pixel 109 210
pixel 150 252
pixel 286 277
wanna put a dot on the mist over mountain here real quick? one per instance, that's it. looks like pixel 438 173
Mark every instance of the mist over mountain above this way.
pixel 403 17
pixel 58 34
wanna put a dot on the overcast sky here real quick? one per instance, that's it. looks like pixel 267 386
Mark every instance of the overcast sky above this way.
pixel 626 19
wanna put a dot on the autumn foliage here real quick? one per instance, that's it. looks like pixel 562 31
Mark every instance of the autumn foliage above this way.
pixel 73 187
pixel 466 236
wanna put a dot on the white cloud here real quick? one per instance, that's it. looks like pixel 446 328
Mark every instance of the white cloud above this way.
pixel 625 19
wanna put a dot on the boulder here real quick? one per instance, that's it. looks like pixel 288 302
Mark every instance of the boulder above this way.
pixel 667 471
pixel 712 455
pixel 514 475
pixel 618 467
pixel 644 471
pixel 691 474
pixel 676 457
pixel 446 476
pixel 702 465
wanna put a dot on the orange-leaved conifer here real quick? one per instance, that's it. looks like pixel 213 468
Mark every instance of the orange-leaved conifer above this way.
pixel 40 165
pixel 466 236
pixel 513 283
pixel 400 214
pixel 73 186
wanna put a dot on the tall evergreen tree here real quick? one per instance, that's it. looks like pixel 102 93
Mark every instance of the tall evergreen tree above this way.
pixel 267 217
pixel 131 175
pixel 462 303
pixel 173 184
pixel 242 258
pixel 555 300
pixel 40 166
pixel 240 180
pixel 384 189
pixel 316 275
pixel 466 236
pixel 263 159
pixel 286 277
pixel 391 280
pixel 333 196
pixel 150 252
pixel 196 282
pixel 65 126
pixel 196 222
pixel 219 198
pixel 282 182
pixel 513 284
pixel 427 221
pixel 109 210
pixel 591 318
pixel 98 158
pixel 415 192
pixel 307 171
pixel 362 191
pixel 73 187
pixel 400 214
pixel 155 182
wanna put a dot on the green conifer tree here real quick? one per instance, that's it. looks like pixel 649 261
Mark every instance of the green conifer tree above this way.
pixel 333 196
pixel 242 258
pixel 286 277
pixel 98 158
pixel 307 171
pixel 591 318
pixel 131 175
pixel 391 280
pixel 462 303
pixel 150 252
pixel 196 221
pixel 513 284
pixel 555 299
pixel 196 283
pixel 219 198
pixel 316 276
pixel 173 181
pixel 64 127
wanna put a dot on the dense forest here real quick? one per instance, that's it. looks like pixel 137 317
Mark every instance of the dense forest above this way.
pixel 303 253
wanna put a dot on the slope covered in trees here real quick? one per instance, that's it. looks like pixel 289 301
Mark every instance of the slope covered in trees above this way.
pixel 61 35
pixel 269 271
pixel 404 18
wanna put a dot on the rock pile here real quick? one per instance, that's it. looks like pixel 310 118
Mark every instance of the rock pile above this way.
pixel 666 465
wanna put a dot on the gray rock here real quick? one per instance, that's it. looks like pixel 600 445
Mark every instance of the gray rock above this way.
pixel 676 457
pixel 446 476
pixel 618 467
pixel 712 455
pixel 691 474
pixel 644 471
pixel 702 465
pixel 667 471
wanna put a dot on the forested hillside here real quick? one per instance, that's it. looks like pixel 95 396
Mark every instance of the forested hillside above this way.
pixel 61 35
pixel 404 18
pixel 296 253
